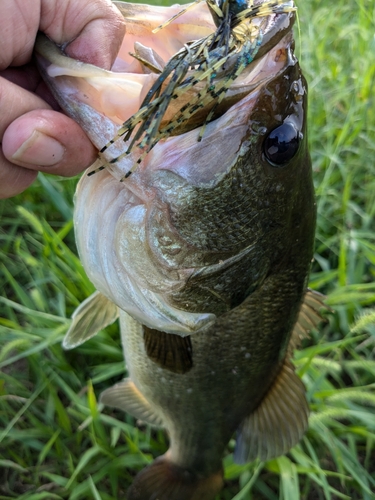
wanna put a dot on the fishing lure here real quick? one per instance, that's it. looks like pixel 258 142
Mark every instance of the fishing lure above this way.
pixel 217 59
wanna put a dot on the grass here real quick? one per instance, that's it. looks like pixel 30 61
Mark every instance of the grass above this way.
pixel 56 442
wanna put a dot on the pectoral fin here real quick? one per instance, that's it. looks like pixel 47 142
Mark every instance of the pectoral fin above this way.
pixel 278 423
pixel 128 398
pixel 172 352
pixel 94 314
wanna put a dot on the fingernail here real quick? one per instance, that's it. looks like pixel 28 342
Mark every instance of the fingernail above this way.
pixel 40 149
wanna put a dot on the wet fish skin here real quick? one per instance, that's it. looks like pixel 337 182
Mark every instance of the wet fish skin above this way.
pixel 240 355
pixel 263 209
pixel 246 231
pixel 157 259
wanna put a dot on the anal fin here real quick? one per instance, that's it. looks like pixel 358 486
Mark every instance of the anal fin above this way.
pixel 172 352
pixel 128 398
pixel 278 423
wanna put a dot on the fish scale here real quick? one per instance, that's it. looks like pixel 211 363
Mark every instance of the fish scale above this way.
pixel 230 203
pixel 204 253
pixel 233 209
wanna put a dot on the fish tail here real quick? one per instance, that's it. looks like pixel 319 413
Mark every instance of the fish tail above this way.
pixel 164 480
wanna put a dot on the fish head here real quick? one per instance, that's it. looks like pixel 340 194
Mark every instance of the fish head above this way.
pixel 205 217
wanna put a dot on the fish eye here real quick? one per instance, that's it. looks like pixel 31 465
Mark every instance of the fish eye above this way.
pixel 281 144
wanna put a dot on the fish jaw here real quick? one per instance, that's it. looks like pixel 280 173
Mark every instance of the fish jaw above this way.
pixel 117 94
pixel 132 242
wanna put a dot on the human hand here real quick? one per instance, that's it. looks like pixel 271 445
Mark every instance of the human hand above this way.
pixel 33 134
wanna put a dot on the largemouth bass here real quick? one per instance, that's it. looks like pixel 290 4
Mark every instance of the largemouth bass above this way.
pixel 197 228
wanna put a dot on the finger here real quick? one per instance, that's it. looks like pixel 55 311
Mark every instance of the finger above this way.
pixel 37 138
pixel 14 179
pixel 95 28
pixel 29 78
pixel 48 141
pixel 26 77
pixel 14 102
pixel 19 23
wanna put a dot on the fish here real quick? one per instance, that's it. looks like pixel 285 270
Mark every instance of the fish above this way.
pixel 196 226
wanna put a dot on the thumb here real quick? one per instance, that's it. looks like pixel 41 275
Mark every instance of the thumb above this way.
pixel 92 29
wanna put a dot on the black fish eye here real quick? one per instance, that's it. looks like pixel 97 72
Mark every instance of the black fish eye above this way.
pixel 281 144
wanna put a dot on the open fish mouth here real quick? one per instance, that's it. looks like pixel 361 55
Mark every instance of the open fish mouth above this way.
pixel 175 96
pixel 178 76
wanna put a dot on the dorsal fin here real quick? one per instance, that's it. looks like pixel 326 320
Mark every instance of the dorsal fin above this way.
pixel 308 318
pixel 278 423
pixel 172 352
pixel 127 397
pixel 94 314
pixel 281 419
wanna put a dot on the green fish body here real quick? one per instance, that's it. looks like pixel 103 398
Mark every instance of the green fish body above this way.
pixel 204 250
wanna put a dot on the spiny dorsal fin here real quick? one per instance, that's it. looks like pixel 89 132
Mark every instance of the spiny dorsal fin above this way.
pixel 278 423
pixel 172 352
pixel 308 317
pixel 94 314
pixel 128 398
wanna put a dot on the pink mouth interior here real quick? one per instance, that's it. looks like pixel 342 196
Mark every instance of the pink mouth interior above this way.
pixel 118 94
